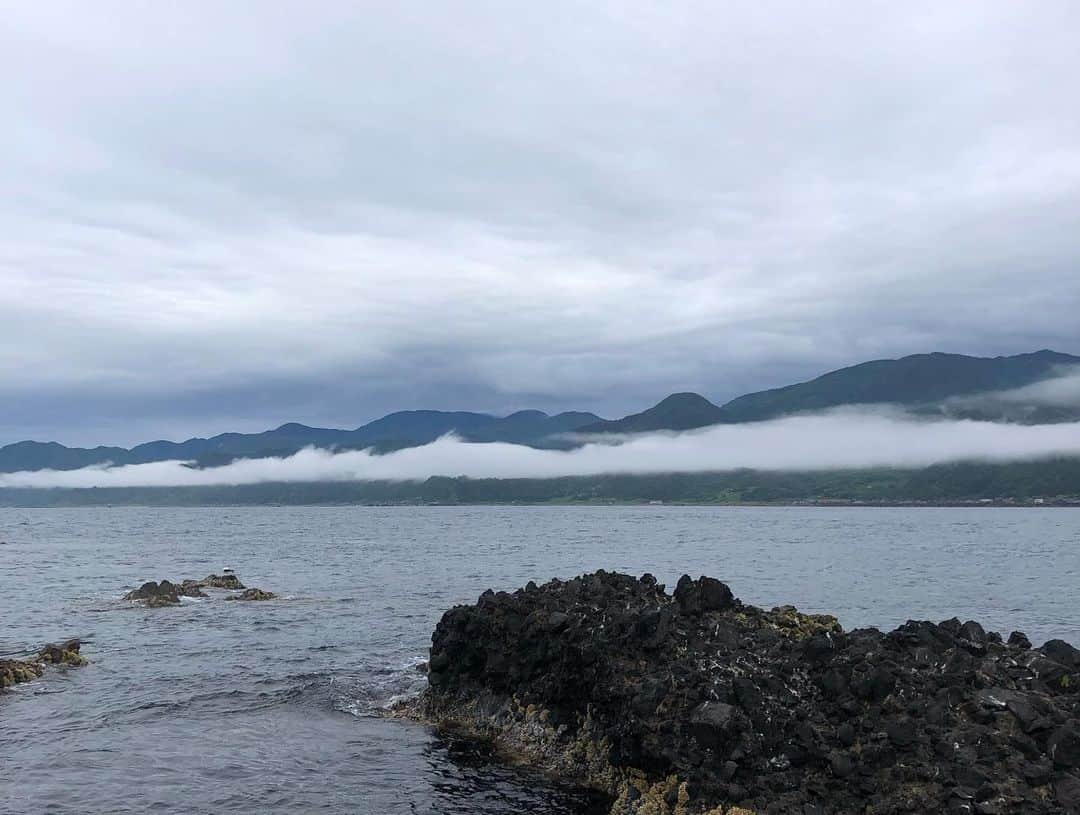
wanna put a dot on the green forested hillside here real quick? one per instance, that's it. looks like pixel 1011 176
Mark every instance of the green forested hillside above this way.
pixel 1049 481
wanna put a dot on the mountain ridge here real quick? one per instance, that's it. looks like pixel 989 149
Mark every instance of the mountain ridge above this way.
pixel 910 380
pixel 406 428
pixel 923 383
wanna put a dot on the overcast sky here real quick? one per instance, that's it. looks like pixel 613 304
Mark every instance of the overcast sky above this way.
pixel 223 216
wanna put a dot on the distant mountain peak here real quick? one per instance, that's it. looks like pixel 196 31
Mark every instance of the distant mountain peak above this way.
pixel 685 399
pixel 527 414
pixel 679 411
pixel 918 379
pixel 292 427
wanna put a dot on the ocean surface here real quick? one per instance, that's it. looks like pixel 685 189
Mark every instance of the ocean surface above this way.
pixel 271 707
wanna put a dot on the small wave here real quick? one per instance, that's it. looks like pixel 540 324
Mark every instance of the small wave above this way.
pixel 378 688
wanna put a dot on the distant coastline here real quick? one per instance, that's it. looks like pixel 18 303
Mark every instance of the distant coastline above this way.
pixel 682 504
pixel 1045 484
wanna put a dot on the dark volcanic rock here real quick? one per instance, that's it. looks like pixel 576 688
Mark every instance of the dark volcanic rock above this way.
pixel 701 595
pixel 156 595
pixel 1063 746
pixel 698 703
pixel 1063 653
pixel 253 594
pixel 192 588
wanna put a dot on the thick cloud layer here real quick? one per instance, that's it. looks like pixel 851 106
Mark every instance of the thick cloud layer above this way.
pixel 226 215
pixel 834 440
pixel 1058 391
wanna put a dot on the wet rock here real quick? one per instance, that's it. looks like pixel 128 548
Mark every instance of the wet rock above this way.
pixel 155 595
pixel 14 671
pixel 192 588
pixel 66 653
pixel 253 594
pixel 221 581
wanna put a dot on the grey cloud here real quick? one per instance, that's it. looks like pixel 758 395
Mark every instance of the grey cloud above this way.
pixel 566 203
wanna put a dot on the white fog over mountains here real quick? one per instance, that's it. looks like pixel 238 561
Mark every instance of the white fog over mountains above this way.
pixel 843 438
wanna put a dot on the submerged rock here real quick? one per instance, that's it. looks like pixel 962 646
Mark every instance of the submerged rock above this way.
pixel 253 594
pixel 66 653
pixel 14 671
pixel 698 703
pixel 156 595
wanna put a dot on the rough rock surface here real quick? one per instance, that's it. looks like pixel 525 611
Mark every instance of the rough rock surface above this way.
pixel 192 588
pixel 14 671
pixel 167 593
pixel 221 581
pixel 66 653
pixel 698 703
pixel 156 595
pixel 253 594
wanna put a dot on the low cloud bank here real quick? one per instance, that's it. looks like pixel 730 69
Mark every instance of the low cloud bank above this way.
pixel 839 439
pixel 1059 391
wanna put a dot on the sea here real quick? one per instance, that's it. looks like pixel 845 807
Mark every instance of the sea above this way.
pixel 274 707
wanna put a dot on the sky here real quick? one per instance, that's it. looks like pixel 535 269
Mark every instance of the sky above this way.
pixel 225 216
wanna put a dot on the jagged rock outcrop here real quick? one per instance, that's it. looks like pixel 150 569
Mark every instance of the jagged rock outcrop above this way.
pixel 698 703
pixel 156 595
pixel 253 594
pixel 14 671
pixel 221 581
pixel 192 588
pixel 66 653
pixel 166 593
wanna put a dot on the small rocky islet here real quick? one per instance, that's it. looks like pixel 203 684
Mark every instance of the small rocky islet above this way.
pixel 166 593
pixel 14 671
pixel 694 702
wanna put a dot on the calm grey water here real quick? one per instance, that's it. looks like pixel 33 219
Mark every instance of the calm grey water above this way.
pixel 268 707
